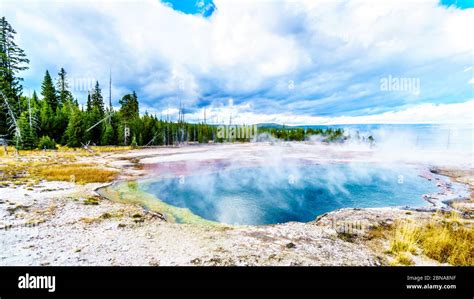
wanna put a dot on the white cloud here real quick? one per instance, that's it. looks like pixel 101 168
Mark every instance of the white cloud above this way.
pixel 461 113
pixel 335 52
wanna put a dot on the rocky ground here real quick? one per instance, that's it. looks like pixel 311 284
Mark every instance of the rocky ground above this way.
pixel 63 223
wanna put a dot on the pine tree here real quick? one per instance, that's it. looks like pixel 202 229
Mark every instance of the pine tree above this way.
pixel 62 87
pixel 46 119
pixel 34 99
pixel 108 137
pixel 129 116
pixel 28 139
pixel 75 129
pixel 61 120
pixel 49 92
pixel 30 106
pixel 94 125
pixel 12 61
pixel 89 102
pixel 129 107
pixel 96 99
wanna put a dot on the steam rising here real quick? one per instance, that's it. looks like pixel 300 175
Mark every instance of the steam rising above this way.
pixel 273 181
pixel 283 190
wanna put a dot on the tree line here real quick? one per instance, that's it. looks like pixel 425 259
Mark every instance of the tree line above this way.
pixel 55 117
pixel 302 134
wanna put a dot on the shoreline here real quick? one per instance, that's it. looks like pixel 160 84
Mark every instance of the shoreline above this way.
pixel 70 232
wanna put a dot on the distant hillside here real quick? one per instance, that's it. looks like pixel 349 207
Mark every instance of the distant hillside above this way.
pixel 269 125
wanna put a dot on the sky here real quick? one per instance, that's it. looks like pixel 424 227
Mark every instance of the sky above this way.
pixel 290 62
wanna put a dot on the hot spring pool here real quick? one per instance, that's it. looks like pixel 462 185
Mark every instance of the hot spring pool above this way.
pixel 268 195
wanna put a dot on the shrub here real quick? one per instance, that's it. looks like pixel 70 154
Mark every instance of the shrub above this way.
pixel 46 143
pixel 134 143
pixel 403 258
pixel 444 238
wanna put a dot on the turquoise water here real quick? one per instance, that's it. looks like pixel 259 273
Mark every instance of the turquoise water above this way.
pixel 268 195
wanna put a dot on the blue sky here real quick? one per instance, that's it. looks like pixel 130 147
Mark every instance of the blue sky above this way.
pixel 462 4
pixel 200 7
pixel 293 62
